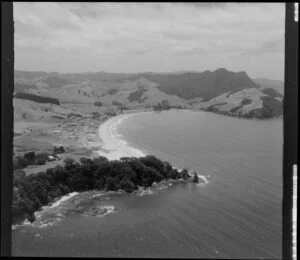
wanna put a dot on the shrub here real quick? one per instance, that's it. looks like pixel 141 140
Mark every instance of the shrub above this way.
pixel 98 104
pixel 30 157
pixel 246 101
pixel 116 103
pixel 41 159
pixel 195 178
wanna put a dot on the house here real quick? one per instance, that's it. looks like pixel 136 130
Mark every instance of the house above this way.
pixel 51 158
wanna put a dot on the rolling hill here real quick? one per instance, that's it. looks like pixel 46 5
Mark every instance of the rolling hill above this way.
pixel 205 84
pixel 220 91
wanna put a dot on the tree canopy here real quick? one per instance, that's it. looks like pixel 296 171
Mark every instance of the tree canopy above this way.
pixel 35 190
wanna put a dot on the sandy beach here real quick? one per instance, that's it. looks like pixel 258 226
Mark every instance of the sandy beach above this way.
pixel 112 145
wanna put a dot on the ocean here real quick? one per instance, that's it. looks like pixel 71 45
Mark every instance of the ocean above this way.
pixel 236 214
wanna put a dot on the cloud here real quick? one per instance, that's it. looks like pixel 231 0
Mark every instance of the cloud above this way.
pixel 161 29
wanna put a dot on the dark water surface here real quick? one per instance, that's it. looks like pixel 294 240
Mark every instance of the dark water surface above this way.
pixel 236 215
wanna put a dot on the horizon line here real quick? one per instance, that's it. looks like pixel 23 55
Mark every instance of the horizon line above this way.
pixel 145 72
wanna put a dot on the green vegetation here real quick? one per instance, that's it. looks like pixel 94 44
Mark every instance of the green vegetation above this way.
pixel 233 110
pixel 74 115
pixel 58 117
pixel 110 113
pixel 117 103
pixel 58 150
pixel 35 190
pixel 163 105
pixel 112 91
pixel 213 108
pixel 29 158
pixel 195 178
pixel 206 84
pixel 98 104
pixel 36 98
pixel 246 101
pixel 136 95
pixel 96 115
pixel 32 158
pixel 271 108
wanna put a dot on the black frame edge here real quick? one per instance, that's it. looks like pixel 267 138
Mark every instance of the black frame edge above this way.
pixel 7 85
pixel 290 125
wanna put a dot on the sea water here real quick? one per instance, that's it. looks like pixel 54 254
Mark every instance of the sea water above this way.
pixel 237 214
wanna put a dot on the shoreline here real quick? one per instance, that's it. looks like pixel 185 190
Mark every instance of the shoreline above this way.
pixel 112 146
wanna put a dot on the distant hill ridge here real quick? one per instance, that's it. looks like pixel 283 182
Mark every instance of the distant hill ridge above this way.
pixel 205 84
pixel 186 85
pixel 220 91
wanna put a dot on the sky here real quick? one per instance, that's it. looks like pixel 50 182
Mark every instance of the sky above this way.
pixel 150 37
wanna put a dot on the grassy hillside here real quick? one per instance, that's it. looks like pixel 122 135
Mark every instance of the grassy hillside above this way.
pixel 23 87
pixel 221 91
pixel 56 82
pixel 25 109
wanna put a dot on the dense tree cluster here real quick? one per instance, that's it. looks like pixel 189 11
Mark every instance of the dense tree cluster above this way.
pixel 136 95
pixel 36 98
pixel 58 150
pixel 110 113
pixel 213 108
pixel 74 115
pixel 35 190
pixel 271 108
pixel 32 158
pixel 163 105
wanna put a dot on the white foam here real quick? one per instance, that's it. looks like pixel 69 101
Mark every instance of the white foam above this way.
pixel 143 192
pixel 47 224
pixel 163 187
pixel 26 222
pixel 62 199
pixel 109 210
pixel 203 178
pixel 97 195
